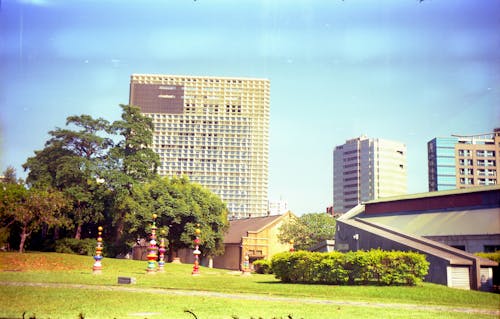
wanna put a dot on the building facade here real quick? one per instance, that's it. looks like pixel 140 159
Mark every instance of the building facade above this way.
pixel 447 226
pixel 256 238
pixel 366 169
pixel 215 130
pixel 463 161
pixel 278 207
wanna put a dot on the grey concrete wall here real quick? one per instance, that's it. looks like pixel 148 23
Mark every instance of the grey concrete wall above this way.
pixel 472 243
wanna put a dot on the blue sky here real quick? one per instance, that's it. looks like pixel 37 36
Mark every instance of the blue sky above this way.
pixel 395 69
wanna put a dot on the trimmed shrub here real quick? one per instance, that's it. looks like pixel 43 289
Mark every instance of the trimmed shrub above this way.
pixel 76 246
pixel 361 267
pixel 262 266
pixel 280 266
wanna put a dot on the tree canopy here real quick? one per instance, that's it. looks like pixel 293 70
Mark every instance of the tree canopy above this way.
pixel 94 172
pixel 307 230
pixel 182 207
pixel 30 209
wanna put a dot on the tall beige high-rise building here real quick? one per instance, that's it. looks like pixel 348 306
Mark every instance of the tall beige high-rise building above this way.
pixel 366 169
pixel 215 130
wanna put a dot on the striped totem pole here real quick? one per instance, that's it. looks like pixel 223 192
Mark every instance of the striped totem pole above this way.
pixel 152 249
pixel 162 250
pixel 97 268
pixel 196 252
pixel 246 266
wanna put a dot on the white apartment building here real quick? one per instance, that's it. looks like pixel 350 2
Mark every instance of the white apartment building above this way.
pixel 277 207
pixel 215 130
pixel 366 169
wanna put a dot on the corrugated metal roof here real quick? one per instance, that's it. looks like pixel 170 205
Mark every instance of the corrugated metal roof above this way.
pixel 484 221
pixel 436 194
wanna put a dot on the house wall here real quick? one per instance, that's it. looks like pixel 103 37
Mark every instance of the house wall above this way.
pixel 230 259
pixel 261 244
pixel 471 243
pixel 264 244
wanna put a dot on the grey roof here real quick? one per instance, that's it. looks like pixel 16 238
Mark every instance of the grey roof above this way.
pixel 485 221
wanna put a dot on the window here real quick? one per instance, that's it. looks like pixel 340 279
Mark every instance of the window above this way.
pixel 464 153
pixel 491 248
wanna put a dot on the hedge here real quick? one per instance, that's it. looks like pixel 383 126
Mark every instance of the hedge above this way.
pixel 262 266
pixel 76 246
pixel 354 268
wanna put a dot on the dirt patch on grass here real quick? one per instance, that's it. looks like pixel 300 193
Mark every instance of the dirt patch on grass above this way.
pixel 35 262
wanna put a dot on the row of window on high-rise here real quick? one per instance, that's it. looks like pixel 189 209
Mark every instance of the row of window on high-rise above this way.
pixel 479 153
pixel 480 172
pixel 480 181
pixel 470 162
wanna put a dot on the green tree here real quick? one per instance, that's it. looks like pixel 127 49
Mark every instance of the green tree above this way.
pixel 134 152
pixel 181 207
pixel 307 230
pixel 30 209
pixel 9 176
pixel 71 162
pixel 11 199
pixel 130 162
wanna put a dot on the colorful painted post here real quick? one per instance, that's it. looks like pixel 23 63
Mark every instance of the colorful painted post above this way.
pixel 162 251
pixel 196 252
pixel 292 249
pixel 246 266
pixel 97 268
pixel 152 249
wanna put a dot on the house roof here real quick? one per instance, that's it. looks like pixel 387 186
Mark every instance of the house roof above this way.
pixel 239 228
pixel 442 223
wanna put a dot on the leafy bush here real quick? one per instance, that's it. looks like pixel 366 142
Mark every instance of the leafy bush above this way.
pixel 76 246
pixel 262 266
pixel 362 267
pixel 491 256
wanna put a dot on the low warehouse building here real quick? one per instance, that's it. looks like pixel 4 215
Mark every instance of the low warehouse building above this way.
pixel 446 226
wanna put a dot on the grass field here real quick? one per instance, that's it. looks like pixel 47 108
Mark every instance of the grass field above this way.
pixel 69 289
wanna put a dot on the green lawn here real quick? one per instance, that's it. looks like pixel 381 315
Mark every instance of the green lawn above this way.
pixel 251 296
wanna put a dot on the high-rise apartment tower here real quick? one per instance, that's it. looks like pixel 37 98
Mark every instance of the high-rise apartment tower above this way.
pixel 463 161
pixel 215 130
pixel 366 169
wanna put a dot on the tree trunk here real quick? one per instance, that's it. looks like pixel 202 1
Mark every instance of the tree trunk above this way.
pixel 120 226
pixel 172 254
pixel 78 234
pixel 24 235
pixel 56 233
